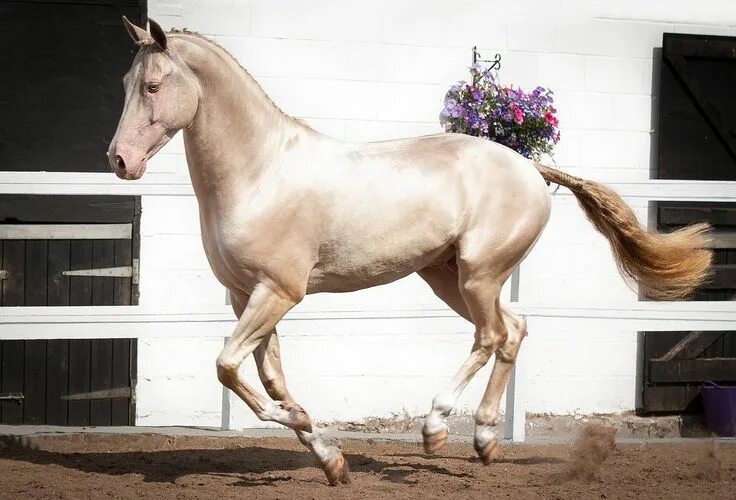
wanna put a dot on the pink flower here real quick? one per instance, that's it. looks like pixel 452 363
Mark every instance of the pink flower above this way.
pixel 551 119
pixel 518 115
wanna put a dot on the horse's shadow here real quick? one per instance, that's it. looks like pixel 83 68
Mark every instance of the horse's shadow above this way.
pixel 250 465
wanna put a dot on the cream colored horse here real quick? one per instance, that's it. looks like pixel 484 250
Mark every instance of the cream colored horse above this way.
pixel 286 211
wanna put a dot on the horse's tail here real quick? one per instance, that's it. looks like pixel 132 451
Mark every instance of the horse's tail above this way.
pixel 665 266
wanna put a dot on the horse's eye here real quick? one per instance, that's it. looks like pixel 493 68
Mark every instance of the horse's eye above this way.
pixel 152 88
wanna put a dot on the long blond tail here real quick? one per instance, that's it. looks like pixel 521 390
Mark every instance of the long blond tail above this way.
pixel 665 266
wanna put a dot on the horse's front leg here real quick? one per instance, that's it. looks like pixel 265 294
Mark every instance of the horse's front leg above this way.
pixel 268 361
pixel 264 309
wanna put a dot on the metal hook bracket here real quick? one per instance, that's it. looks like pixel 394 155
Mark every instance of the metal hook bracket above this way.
pixel 495 62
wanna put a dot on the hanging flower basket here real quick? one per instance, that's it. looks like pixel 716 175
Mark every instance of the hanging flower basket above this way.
pixel 525 122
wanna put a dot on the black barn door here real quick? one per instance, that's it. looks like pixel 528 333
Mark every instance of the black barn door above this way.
pixel 61 91
pixel 68 251
pixel 60 98
pixel 697 141
pixel 678 363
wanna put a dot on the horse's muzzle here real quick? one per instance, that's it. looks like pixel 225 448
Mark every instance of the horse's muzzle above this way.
pixel 126 166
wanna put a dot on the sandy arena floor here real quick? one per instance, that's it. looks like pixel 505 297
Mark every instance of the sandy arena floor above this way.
pixel 76 466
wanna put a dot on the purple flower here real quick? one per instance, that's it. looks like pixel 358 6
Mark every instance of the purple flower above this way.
pixel 482 107
pixel 473 120
pixel 476 69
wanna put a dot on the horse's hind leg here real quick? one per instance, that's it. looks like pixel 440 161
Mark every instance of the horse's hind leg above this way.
pixel 475 296
pixel 268 362
pixel 486 417
pixel 443 280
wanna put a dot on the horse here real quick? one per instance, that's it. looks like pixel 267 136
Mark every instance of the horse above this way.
pixel 286 211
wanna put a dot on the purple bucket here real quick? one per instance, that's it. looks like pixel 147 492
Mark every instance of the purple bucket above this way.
pixel 720 409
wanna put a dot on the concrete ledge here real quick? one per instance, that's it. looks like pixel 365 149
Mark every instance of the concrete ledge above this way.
pixel 540 428
pixel 549 427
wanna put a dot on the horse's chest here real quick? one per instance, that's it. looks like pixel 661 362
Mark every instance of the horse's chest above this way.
pixel 234 257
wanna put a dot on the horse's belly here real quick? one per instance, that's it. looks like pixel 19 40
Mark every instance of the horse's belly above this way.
pixel 385 233
pixel 374 262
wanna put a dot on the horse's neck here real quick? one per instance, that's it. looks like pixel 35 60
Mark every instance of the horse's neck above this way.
pixel 237 129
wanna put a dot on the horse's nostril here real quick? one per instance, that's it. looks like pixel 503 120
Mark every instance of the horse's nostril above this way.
pixel 119 162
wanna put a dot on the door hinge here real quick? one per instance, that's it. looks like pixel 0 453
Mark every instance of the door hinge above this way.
pixel 109 272
pixel 16 397
pixel 3 274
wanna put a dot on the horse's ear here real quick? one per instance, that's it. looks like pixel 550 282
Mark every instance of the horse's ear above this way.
pixel 157 33
pixel 137 34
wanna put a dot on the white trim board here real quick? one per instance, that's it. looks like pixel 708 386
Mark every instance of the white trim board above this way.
pixel 142 321
pixel 153 183
pixel 170 184
pixel 66 231
pixel 633 310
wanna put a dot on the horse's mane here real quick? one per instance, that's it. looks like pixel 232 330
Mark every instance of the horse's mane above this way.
pixel 195 34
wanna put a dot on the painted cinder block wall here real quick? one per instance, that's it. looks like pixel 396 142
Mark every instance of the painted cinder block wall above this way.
pixel 379 70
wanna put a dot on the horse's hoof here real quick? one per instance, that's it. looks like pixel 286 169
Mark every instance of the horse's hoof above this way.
pixel 489 452
pixel 336 469
pixel 435 442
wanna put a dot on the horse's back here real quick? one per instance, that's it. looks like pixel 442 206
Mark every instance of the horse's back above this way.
pixel 394 207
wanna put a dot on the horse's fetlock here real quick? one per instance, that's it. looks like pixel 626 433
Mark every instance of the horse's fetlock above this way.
pixel 264 415
pixel 487 418
pixel 484 436
pixel 443 405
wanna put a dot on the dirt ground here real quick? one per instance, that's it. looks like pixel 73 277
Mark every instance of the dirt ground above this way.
pixel 76 466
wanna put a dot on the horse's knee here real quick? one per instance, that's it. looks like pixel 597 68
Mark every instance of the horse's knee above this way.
pixel 227 370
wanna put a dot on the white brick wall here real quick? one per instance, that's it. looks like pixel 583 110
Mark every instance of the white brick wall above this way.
pixel 176 382
pixel 376 70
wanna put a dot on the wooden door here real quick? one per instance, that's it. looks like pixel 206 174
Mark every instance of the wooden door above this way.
pixel 677 363
pixel 68 381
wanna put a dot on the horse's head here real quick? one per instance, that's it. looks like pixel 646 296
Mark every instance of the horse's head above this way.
pixel 161 97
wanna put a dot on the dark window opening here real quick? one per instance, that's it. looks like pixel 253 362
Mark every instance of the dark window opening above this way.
pixel 60 88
